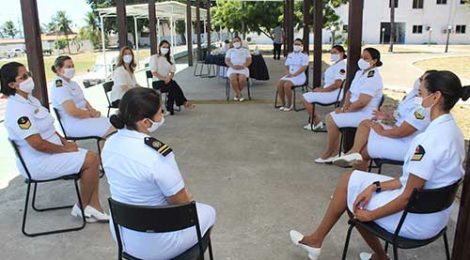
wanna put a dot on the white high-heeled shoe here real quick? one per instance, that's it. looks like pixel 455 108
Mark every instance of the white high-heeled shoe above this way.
pixel 296 237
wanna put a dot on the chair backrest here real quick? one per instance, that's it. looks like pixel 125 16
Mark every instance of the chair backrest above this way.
pixel 18 154
pixel 149 74
pixel 433 200
pixel 60 121
pixel 382 100
pixel 108 86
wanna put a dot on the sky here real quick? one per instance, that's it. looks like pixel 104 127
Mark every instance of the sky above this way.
pixel 75 9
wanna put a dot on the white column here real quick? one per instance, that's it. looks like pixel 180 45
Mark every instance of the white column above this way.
pixel 136 41
pixel 103 46
pixel 158 31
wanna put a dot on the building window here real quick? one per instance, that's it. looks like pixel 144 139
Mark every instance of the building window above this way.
pixel 417 29
pixel 418 4
pixel 441 2
pixel 390 3
pixel 463 2
pixel 460 29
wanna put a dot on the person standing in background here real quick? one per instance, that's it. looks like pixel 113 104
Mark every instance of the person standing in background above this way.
pixel 278 35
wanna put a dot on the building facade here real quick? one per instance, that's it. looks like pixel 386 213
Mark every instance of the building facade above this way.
pixel 417 21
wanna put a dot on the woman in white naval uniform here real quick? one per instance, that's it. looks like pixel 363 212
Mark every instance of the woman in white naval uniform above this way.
pixel 47 154
pixel 141 174
pixel 377 140
pixel 296 64
pixel 330 92
pixel 238 59
pixel 361 100
pixel 78 117
pixel 434 160
pixel 123 75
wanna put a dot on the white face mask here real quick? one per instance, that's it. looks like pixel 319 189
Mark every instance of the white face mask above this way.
pixel 156 125
pixel 421 111
pixel 298 48
pixel 237 45
pixel 164 51
pixel 27 85
pixel 127 59
pixel 334 57
pixel 69 73
pixel 362 64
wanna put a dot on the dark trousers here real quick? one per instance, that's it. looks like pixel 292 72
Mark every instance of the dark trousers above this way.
pixel 277 51
pixel 175 93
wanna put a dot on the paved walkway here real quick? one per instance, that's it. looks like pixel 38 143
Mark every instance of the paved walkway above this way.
pixel 253 163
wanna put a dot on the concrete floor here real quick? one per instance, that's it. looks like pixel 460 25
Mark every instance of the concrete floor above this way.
pixel 252 163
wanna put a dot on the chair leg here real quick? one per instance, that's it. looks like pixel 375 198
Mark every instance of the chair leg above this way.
pixel 370 167
pixel 109 110
pixel 294 100
pixel 386 247
pixel 275 100
pixel 227 89
pixel 99 155
pixel 395 252
pixel 25 212
pixel 211 255
pixel 248 85
pixel 346 243
pixel 36 208
pixel 340 143
pixel 379 171
pixel 446 244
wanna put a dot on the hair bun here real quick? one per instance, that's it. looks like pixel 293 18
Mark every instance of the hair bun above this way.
pixel 117 121
pixel 465 94
pixel 379 64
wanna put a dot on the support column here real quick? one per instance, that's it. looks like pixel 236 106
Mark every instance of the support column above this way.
pixel 103 46
pixel 122 22
pixel 189 32
pixel 209 25
pixel 317 42
pixel 152 27
pixel 136 41
pixel 290 26
pixel 32 34
pixel 461 250
pixel 198 29
pixel 285 25
pixel 307 21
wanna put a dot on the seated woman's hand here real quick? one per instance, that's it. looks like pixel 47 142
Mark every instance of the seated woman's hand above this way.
pixel 363 198
pixel 378 128
pixel 167 79
pixel 238 67
pixel 364 215
pixel 70 147
pixel 339 110
pixel 97 114
pixel 378 115
pixel 318 89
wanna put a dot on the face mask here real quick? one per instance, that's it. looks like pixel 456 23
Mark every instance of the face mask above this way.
pixel 297 48
pixel 27 85
pixel 127 59
pixel 69 73
pixel 421 111
pixel 164 51
pixel 334 57
pixel 156 125
pixel 237 45
pixel 362 64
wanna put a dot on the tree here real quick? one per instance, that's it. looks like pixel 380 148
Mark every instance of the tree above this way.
pixel 62 24
pixel 9 29
pixel 60 44
pixel 91 31
pixel 181 29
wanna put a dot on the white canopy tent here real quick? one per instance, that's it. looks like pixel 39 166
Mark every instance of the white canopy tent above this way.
pixel 170 10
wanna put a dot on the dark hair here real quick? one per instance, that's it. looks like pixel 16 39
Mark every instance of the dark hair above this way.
pixel 8 74
pixel 135 105
pixel 449 85
pixel 167 56
pixel 299 40
pixel 120 62
pixel 237 37
pixel 59 63
pixel 375 54
pixel 341 49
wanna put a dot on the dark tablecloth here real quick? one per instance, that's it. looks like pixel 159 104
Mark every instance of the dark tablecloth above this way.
pixel 258 68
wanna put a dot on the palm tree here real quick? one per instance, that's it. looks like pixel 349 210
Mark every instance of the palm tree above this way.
pixel 62 24
pixel 91 31
pixel 9 29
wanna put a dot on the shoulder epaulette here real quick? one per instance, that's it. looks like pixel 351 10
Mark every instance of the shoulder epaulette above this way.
pixel 158 146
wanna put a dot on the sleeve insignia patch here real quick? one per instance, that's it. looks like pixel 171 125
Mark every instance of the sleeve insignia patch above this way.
pixel 24 123
pixel 419 153
pixel 418 115
pixel 371 74
pixel 158 146
pixel 59 83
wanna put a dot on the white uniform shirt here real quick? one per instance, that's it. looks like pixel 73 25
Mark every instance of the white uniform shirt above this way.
pixel 296 60
pixel 335 72
pixel 121 77
pixel 368 83
pixel 62 91
pixel 238 56
pixel 161 65
pixel 26 117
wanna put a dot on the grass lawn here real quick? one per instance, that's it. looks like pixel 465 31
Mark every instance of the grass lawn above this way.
pixel 458 65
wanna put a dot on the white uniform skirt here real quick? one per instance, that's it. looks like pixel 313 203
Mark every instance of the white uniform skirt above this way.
pixel 45 166
pixel 162 246
pixel 383 147
pixel 416 226
pixel 87 126
pixel 244 71
pixel 350 119
pixel 323 97
pixel 297 80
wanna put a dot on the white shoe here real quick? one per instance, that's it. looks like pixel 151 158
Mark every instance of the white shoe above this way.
pixel 287 109
pixel 328 160
pixel 348 160
pixel 282 108
pixel 167 113
pixel 365 256
pixel 318 126
pixel 296 237
pixel 235 98
pixel 76 212
pixel 241 99
pixel 97 215
pixel 308 127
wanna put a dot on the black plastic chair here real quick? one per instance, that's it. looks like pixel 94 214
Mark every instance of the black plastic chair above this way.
pixel 227 88
pixel 29 181
pixel 378 162
pixel 108 86
pixel 98 139
pixel 159 220
pixel 421 202
pixel 303 87
pixel 149 76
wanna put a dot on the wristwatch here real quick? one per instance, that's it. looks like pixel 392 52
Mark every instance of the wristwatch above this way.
pixel 378 188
